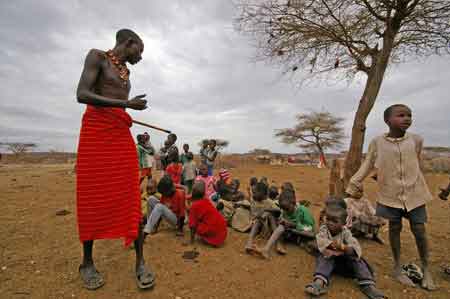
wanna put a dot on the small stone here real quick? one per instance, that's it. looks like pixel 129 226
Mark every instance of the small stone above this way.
pixel 38 271
pixel 32 262
pixel 177 297
pixel 3 268
pixel 73 295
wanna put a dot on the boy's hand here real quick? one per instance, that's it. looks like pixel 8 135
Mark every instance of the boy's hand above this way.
pixel 335 245
pixel 444 194
pixel 330 253
pixel 348 250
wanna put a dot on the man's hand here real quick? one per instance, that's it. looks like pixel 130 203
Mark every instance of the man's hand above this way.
pixel 137 103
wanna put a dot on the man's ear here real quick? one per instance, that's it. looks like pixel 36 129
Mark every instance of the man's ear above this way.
pixel 129 42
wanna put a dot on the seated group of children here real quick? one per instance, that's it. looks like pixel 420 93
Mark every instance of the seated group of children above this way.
pixel 169 201
pixel 276 215
pixel 338 250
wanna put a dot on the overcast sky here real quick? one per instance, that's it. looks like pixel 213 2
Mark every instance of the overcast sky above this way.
pixel 199 73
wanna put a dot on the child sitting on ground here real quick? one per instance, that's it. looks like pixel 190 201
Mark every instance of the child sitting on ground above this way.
pixel 236 194
pixel 171 207
pixel 341 203
pixel 209 180
pixel 261 215
pixel 251 185
pixel 204 219
pixel 175 168
pixel 340 252
pixel 150 194
pixel 189 171
pixel 273 194
pixel 364 222
pixel 296 219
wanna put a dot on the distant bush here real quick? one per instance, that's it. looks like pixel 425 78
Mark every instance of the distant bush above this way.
pixel 440 164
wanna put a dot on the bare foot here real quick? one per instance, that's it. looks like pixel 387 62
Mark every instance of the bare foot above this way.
pixel 427 281
pixel 262 253
pixel 403 279
pixel 281 249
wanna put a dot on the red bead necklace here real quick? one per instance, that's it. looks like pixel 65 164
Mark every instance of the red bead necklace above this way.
pixel 121 68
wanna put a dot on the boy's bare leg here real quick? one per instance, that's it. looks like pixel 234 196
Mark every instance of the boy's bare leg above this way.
pixel 395 228
pixel 250 246
pixel 419 232
pixel 279 244
pixel 92 279
pixel 144 275
pixel 276 235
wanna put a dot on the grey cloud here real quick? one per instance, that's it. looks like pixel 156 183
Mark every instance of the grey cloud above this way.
pixel 198 72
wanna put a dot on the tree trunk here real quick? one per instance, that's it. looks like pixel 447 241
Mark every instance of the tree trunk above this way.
pixel 321 155
pixel 335 187
pixel 371 90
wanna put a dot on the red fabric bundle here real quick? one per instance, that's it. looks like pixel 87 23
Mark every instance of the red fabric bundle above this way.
pixel 108 199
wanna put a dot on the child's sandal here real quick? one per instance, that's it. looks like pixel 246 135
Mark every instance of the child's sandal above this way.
pixel 315 290
pixel 372 292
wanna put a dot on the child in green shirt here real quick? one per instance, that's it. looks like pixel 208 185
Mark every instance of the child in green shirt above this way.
pixel 295 218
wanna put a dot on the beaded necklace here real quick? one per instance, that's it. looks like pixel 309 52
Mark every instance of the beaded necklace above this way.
pixel 121 68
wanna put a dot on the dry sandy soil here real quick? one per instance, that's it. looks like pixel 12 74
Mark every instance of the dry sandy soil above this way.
pixel 40 251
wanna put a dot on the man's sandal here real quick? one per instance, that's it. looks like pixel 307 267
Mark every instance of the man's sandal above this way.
pixel 92 279
pixel 145 279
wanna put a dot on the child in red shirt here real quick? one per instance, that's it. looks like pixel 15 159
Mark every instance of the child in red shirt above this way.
pixel 171 207
pixel 175 169
pixel 204 219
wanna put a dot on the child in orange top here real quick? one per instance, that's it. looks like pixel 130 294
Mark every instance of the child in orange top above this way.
pixel 174 169
pixel 204 219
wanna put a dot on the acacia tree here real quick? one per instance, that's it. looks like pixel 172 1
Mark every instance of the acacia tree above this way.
pixel 220 143
pixel 18 147
pixel 316 131
pixel 339 38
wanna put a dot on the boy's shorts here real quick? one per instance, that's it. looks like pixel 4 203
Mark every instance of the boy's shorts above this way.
pixel 417 215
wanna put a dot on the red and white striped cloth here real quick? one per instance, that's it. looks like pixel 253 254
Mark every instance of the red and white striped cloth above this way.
pixel 108 199
pixel 225 175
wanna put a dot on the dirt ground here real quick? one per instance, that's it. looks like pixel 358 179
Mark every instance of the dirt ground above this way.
pixel 40 251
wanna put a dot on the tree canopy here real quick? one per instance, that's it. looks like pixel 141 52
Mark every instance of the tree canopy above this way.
pixel 314 131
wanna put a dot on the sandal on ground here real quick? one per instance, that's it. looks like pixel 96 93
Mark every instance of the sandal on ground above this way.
pixel 145 279
pixel 315 290
pixel 372 292
pixel 92 279
pixel 446 269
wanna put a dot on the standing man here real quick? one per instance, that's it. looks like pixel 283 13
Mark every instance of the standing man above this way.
pixel 108 199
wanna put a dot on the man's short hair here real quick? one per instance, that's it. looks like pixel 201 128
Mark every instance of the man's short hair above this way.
pixel 172 135
pixel 388 111
pixel 124 34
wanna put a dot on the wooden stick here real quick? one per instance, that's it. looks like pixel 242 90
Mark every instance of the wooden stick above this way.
pixel 151 126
